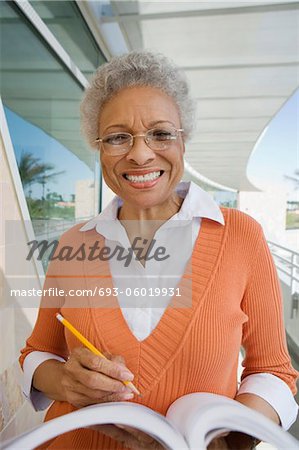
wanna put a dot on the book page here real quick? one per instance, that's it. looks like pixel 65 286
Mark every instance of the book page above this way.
pixel 188 415
pixel 123 413
pixel 202 416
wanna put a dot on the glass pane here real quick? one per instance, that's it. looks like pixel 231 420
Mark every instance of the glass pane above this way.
pixel 66 23
pixel 41 98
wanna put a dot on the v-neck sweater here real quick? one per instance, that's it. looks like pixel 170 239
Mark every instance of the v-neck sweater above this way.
pixel 236 301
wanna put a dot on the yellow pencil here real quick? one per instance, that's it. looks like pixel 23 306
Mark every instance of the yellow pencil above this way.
pixel 91 347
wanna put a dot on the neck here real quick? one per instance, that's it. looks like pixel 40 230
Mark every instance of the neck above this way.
pixel 162 212
pixel 144 223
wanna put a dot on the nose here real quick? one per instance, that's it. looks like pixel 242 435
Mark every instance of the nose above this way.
pixel 140 152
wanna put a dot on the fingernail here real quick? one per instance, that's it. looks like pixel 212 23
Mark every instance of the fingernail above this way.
pixel 124 389
pixel 127 376
pixel 127 396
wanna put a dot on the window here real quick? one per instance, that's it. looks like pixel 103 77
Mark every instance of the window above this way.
pixel 60 175
pixel 66 23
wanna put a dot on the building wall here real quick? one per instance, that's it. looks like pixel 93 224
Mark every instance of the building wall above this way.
pixel 269 209
pixel 15 322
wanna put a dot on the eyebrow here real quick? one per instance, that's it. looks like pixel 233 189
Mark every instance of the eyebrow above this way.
pixel 151 124
pixel 155 122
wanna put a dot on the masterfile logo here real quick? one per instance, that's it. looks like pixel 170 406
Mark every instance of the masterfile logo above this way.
pixel 95 251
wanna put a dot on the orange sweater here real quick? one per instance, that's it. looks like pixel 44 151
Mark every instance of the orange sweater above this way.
pixel 236 300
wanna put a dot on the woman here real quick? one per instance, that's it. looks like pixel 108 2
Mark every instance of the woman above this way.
pixel 138 113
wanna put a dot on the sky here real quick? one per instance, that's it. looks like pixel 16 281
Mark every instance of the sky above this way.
pixel 276 155
pixel 49 150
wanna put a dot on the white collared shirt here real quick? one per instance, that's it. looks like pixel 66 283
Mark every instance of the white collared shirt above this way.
pixel 143 320
pixel 142 313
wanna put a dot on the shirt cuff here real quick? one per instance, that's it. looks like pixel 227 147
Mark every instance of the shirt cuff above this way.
pixel 38 399
pixel 274 391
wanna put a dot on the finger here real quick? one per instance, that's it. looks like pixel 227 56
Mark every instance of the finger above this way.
pixel 218 444
pixel 126 438
pixel 80 400
pixel 115 397
pixel 120 435
pixel 110 368
pixel 79 379
pixel 115 369
pixel 140 435
pixel 111 431
pixel 118 359
pixel 99 395
pixel 99 381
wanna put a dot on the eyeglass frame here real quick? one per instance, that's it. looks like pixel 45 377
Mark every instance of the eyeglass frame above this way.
pixel 100 140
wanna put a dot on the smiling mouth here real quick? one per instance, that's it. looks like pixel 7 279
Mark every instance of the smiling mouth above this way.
pixel 151 176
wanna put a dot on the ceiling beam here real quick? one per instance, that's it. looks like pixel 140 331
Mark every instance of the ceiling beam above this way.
pixel 240 66
pixel 185 68
pixel 92 24
pixel 238 97
pixel 272 7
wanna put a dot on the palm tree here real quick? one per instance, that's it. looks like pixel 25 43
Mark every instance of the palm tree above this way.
pixel 295 178
pixel 32 170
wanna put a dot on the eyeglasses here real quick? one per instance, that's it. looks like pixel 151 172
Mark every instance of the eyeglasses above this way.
pixel 157 139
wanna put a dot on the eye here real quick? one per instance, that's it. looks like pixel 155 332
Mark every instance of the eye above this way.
pixel 117 138
pixel 159 134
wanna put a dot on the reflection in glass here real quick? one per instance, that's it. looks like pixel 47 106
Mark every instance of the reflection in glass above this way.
pixel 65 21
pixel 59 173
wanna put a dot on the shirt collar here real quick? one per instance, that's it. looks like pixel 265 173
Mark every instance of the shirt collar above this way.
pixel 197 203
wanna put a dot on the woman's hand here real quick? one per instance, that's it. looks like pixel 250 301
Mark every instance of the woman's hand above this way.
pixel 89 379
pixel 219 443
pixel 85 379
pixel 233 441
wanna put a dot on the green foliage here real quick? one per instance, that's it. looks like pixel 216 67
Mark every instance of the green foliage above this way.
pixel 46 209
pixel 292 220
pixel 32 170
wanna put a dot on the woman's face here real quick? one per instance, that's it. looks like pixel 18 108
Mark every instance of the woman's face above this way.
pixel 136 110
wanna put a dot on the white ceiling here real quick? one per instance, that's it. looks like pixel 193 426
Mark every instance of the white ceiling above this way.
pixel 242 62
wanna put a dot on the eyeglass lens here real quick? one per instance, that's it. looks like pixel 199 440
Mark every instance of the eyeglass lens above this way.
pixel 156 139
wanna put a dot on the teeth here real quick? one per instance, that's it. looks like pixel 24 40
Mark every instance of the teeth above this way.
pixel 142 178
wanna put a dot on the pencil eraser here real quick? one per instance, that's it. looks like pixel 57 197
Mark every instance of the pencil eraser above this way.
pixel 59 317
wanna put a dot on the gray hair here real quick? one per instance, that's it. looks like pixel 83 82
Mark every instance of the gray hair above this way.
pixel 137 68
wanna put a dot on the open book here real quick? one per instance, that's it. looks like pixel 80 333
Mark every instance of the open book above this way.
pixel 191 422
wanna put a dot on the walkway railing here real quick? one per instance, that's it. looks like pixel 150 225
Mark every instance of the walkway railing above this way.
pixel 52 228
pixel 287 263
